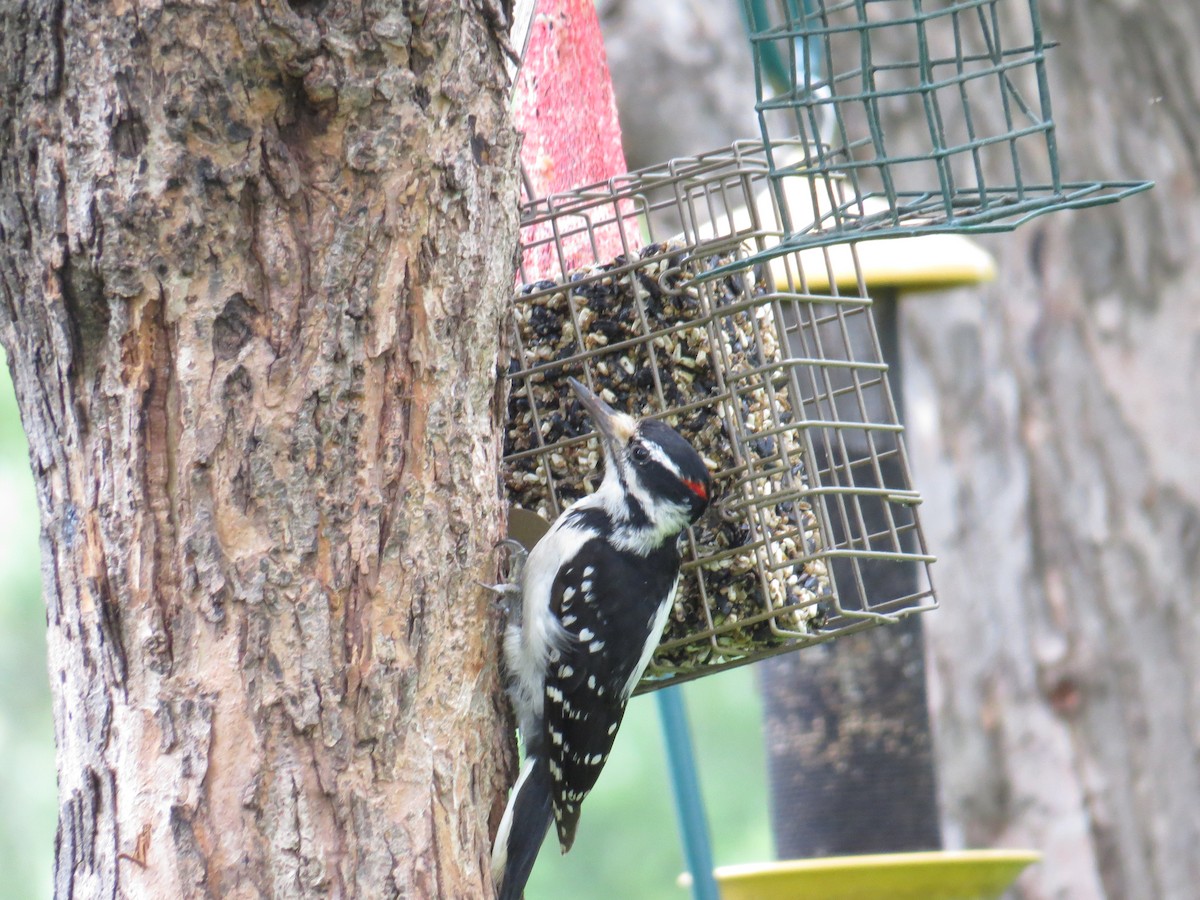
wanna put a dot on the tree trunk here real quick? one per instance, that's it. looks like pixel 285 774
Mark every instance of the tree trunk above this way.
pixel 253 263
pixel 1053 429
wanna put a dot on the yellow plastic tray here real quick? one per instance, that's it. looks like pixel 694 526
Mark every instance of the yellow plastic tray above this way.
pixel 943 875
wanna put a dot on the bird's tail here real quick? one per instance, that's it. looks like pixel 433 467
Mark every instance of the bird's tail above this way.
pixel 522 830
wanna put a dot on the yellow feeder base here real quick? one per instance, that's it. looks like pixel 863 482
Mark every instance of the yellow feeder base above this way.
pixel 921 262
pixel 935 875
pixel 928 262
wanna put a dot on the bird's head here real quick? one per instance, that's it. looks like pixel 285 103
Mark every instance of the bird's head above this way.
pixel 654 480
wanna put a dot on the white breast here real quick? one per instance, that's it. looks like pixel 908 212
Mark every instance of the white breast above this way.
pixel 527 645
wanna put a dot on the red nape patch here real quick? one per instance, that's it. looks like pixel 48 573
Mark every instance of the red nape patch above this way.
pixel 697 488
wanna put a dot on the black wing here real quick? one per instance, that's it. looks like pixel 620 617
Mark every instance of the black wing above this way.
pixel 608 601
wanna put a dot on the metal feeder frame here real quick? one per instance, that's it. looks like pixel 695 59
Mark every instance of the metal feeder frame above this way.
pixel 852 470
pixel 834 72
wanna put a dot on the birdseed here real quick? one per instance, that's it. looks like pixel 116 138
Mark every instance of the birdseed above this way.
pixel 652 342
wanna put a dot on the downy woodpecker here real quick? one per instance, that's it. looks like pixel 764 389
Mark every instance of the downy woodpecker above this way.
pixel 595 594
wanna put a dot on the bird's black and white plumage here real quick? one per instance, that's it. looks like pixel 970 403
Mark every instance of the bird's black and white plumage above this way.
pixel 595 594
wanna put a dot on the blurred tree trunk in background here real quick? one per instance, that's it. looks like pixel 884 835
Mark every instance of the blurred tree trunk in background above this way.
pixel 253 261
pixel 1054 427
pixel 1053 424
pixel 682 74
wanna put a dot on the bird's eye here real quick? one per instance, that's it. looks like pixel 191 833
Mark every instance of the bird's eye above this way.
pixel 640 453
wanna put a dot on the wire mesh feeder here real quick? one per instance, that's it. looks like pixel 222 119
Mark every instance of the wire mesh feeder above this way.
pixel 835 72
pixel 782 390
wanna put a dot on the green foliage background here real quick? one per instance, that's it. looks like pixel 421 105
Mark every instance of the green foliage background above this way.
pixel 27 790
pixel 628 843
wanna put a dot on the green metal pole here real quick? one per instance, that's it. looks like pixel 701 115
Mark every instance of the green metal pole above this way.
pixel 782 75
pixel 685 786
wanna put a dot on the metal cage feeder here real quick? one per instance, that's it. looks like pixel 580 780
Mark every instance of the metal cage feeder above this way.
pixel 834 73
pixel 781 389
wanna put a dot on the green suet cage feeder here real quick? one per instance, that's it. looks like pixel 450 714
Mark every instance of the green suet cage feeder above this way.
pixel 837 73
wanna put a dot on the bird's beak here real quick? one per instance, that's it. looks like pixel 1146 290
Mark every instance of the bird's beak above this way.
pixel 616 428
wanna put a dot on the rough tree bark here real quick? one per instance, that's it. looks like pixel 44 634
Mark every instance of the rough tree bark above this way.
pixel 253 259
pixel 1053 423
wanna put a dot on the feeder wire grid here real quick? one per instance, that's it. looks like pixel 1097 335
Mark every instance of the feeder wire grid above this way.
pixel 836 73
pixel 781 389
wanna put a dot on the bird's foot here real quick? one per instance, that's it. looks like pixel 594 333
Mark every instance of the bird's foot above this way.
pixel 511 587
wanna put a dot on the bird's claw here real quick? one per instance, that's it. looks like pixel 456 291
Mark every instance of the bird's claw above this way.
pixel 517 554
pixel 506 590
pixel 503 588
